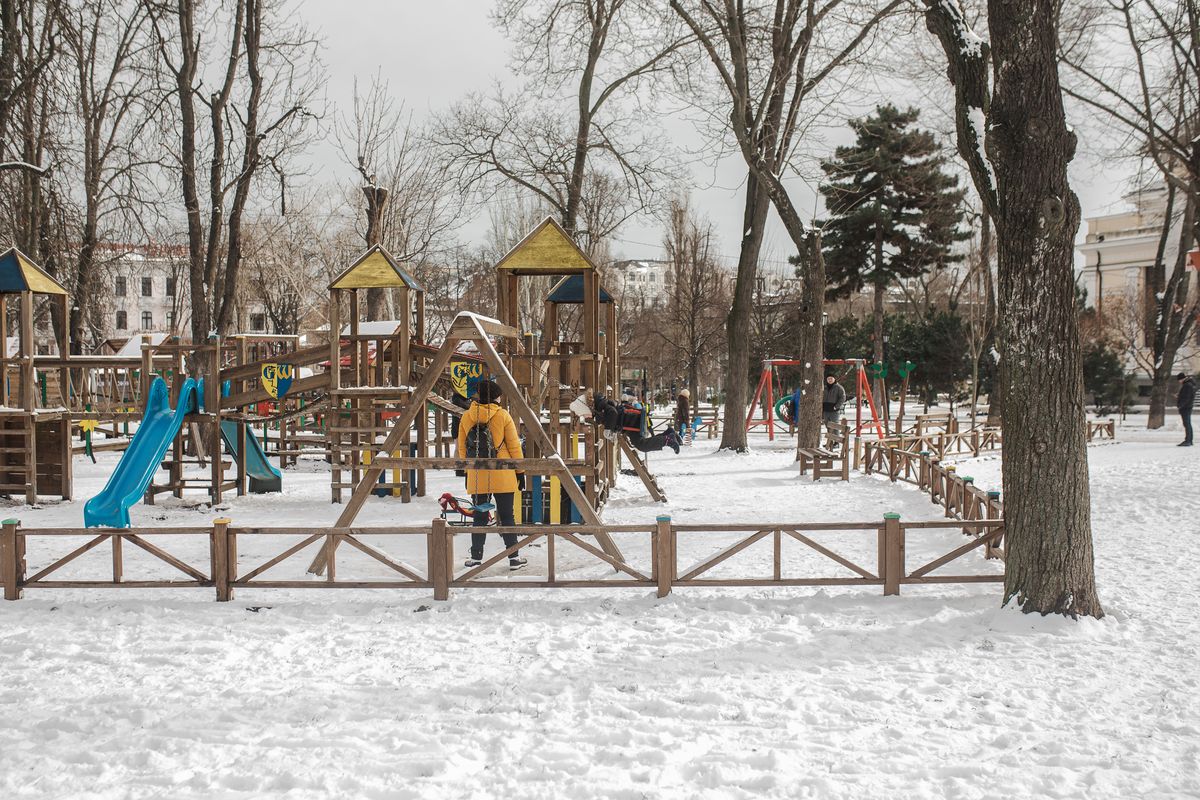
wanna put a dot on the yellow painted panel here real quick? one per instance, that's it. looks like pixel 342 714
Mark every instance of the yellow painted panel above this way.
pixel 555 502
pixel 375 271
pixel 37 280
pixel 517 507
pixel 546 249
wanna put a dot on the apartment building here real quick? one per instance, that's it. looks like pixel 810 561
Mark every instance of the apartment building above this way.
pixel 1117 272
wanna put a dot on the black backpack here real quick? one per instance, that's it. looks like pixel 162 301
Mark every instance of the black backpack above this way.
pixel 479 441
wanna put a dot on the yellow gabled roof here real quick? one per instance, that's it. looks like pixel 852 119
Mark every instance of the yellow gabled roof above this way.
pixel 375 269
pixel 18 273
pixel 547 248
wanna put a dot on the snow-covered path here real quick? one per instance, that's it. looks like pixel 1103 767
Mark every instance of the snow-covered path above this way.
pixel 556 693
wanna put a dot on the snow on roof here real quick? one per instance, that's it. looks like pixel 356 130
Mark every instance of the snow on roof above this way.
pixel 133 347
pixel 376 327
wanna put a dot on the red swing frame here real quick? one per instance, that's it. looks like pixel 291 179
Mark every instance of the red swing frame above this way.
pixel 766 384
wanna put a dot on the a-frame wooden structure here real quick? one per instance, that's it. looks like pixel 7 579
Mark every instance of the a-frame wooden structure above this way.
pixel 469 327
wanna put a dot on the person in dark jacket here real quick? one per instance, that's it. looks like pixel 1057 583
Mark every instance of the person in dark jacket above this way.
pixel 832 400
pixel 683 411
pixel 1185 402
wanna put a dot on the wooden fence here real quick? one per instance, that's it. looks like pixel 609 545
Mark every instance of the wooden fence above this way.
pixel 662 571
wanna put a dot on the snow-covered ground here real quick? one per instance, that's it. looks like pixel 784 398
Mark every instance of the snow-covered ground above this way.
pixel 614 693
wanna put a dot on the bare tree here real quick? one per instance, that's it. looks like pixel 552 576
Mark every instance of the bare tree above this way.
pixel 693 324
pixel 411 206
pixel 771 58
pixel 106 46
pixel 1136 64
pixel 594 56
pixel 1015 139
pixel 252 120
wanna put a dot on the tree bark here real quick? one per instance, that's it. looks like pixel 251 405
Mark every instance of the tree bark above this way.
pixel 812 346
pixel 376 197
pixel 754 220
pixel 877 342
pixel 1049 561
pixel 1022 181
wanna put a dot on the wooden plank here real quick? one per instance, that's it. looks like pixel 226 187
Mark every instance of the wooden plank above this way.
pixel 956 553
pixel 67 559
pixel 850 565
pixel 639 467
pixel 163 555
pixel 616 562
pixel 724 554
pixel 405 570
pixel 249 576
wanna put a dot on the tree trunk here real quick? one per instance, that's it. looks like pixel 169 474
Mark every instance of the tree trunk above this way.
pixel 812 346
pixel 377 198
pixel 737 329
pixel 1049 562
pixel 877 336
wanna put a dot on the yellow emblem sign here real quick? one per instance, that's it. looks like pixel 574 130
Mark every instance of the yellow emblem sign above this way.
pixel 277 379
pixel 464 375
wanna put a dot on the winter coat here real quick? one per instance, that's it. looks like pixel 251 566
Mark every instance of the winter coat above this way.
pixel 833 399
pixel 504 437
pixel 682 410
pixel 1187 395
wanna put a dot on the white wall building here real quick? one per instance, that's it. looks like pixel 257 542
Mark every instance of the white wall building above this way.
pixel 1119 252
pixel 147 292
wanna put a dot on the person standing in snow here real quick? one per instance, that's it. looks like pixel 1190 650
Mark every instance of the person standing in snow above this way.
pixel 683 409
pixel 1185 402
pixel 832 401
pixel 485 484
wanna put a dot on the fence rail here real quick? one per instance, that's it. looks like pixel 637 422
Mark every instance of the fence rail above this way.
pixel 227 571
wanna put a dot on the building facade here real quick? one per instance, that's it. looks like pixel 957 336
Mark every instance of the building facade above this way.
pixel 1119 253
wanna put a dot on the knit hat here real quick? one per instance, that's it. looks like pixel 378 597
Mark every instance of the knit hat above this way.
pixel 487 392
pixel 684 393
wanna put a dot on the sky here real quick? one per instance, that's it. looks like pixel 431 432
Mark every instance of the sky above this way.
pixel 432 53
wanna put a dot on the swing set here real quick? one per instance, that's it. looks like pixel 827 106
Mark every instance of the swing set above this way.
pixel 769 379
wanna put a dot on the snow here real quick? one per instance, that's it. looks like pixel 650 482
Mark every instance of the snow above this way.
pixel 978 123
pixel 730 693
pixel 133 345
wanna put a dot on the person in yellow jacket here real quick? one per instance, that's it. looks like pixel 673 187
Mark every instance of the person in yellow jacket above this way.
pixel 484 484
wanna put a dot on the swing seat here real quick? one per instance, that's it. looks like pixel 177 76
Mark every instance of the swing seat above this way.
pixel 464 509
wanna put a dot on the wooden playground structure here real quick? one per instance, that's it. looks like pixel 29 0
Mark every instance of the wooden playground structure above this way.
pixel 374 401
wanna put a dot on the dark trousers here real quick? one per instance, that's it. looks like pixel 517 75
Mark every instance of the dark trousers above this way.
pixel 647 444
pixel 504 510
pixel 1186 415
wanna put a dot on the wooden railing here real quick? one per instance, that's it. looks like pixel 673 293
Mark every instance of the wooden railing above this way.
pixel 659 568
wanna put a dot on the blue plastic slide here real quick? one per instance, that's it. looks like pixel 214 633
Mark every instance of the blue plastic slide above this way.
pixel 128 483
pixel 263 477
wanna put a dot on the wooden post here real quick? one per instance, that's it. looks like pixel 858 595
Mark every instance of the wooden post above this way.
pixel 891 554
pixel 664 563
pixel 441 553
pixel 220 559
pixel 11 571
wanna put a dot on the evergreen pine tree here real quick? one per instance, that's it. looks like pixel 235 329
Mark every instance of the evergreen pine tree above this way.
pixel 894 212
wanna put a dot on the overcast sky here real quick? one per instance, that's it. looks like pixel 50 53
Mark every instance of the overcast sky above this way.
pixel 433 52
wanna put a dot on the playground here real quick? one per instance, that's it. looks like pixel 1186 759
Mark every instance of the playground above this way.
pixel 173 537
pixel 760 692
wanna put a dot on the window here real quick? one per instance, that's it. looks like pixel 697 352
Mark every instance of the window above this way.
pixel 170 320
pixel 147 287
pixel 170 287
pixel 119 289
pixel 147 320
pixel 122 319
pixel 258 322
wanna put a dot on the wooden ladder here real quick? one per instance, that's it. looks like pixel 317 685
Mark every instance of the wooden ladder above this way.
pixel 25 464
pixel 639 466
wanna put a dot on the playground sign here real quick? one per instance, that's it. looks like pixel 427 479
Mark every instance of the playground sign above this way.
pixel 464 375
pixel 277 379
